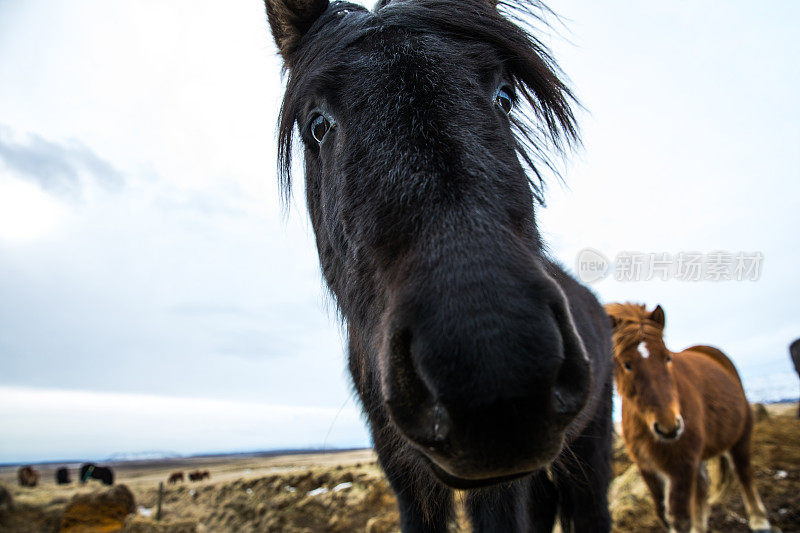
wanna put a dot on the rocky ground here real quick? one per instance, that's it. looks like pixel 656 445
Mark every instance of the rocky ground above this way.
pixel 346 492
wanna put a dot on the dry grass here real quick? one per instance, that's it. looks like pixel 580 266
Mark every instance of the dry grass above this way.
pixel 281 493
pixel 776 463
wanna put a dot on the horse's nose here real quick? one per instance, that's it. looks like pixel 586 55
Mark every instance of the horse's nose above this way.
pixel 483 374
pixel 492 409
pixel 667 433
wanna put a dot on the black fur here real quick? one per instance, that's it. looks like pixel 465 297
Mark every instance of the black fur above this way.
pixel 62 476
pixel 100 473
pixel 480 363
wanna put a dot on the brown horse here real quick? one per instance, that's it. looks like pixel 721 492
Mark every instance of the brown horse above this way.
pixel 28 476
pixel 199 475
pixel 175 477
pixel 679 410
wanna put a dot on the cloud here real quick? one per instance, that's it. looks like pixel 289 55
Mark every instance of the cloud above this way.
pixel 96 425
pixel 58 168
pixel 191 284
pixel 195 301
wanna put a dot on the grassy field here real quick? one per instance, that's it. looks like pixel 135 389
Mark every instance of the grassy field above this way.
pixel 344 492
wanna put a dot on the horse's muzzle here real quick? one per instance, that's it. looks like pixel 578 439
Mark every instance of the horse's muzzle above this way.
pixel 668 432
pixel 490 415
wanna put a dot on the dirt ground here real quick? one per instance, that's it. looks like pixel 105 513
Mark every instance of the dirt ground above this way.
pixel 346 492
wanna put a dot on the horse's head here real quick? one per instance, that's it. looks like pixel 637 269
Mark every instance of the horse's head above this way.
pixel 416 140
pixel 643 368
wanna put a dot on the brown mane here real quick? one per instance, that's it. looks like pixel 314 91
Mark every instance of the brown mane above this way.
pixel 632 324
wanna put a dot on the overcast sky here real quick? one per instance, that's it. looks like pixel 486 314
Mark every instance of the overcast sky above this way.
pixel 154 297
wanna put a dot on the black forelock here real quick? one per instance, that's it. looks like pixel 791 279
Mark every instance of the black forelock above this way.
pixel 544 127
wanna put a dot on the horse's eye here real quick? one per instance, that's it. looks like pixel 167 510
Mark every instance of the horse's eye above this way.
pixel 504 100
pixel 319 127
pixel 669 359
pixel 627 366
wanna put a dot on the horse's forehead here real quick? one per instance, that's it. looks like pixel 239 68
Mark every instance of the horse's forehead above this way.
pixel 412 74
pixel 650 348
pixel 396 52
pixel 644 351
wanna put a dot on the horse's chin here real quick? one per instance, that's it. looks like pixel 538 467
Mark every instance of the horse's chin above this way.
pixel 464 483
pixel 462 475
pixel 460 483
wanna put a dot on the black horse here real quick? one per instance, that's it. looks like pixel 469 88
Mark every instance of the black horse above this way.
pixel 794 352
pixel 480 363
pixel 62 476
pixel 100 473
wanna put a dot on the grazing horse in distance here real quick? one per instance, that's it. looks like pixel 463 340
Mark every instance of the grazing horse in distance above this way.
pixel 62 476
pixel 480 363
pixel 27 476
pixel 199 475
pixel 175 477
pixel 86 471
pixel 679 410
pixel 101 473
pixel 794 351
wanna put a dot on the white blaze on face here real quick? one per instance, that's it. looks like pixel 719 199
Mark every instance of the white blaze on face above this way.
pixel 643 350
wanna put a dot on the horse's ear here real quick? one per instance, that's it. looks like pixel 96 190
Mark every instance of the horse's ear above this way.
pixel 290 20
pixel 658 317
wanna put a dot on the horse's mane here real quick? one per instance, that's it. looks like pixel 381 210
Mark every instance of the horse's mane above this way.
pixel 632 325
pixel 544 126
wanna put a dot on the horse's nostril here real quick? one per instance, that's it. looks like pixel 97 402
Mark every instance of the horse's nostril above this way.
pixel 441 422
pixel 570 390
pixel 669 434
pixel 409 400
pixel 566 402
pixel 661 432
pixel 428 425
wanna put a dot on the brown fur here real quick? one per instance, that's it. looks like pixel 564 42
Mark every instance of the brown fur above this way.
pixel 719 357
pixel 679 410
pixel 28 476
pixel 198 475
pixel 175 477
